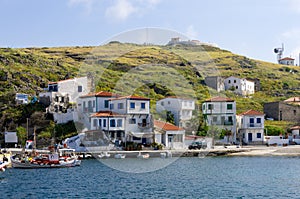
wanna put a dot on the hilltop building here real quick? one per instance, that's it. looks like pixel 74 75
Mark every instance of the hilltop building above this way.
pixel 242 86
pixel 215 82
pixel 287 61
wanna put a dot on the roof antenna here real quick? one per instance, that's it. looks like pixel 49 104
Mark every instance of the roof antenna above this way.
pixel 279 52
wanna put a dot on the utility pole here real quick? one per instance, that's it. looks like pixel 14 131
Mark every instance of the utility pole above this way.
pixel 27 127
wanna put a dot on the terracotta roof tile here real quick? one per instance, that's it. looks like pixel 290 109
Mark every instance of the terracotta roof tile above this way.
pixel 101 94
pixel 252 112
pixel 106 114
pixel 166 126
pixel 287 58
pixel 219 99
pixel 131 97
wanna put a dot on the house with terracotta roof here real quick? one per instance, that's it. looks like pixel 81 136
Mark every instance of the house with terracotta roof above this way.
pixel 286 61
pixel 92 103
pixel 220 112
pixel 171 136
pixel 250 126
pixel 128 119
pixel 181 108
pixel 60 97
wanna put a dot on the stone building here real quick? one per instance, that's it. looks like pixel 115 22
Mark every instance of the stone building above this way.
pixel 287 110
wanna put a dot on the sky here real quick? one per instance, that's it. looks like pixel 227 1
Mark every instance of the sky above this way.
pixel 252 28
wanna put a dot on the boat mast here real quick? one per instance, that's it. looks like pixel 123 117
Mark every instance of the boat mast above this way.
pixel 34 141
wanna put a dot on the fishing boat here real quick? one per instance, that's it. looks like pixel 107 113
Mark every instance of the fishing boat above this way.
pixel 120 156
pixel 143 156
pixel 41 161
pixel 104 155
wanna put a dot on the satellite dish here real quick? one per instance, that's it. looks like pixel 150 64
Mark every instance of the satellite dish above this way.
pixel 275 50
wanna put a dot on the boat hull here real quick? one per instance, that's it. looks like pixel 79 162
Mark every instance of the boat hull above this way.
pixel 28 165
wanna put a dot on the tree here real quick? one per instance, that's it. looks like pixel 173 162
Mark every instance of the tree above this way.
pixel 22 135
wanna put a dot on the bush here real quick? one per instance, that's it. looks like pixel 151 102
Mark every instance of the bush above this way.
pixel 274 130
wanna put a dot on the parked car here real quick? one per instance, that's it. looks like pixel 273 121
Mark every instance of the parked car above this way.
pixel 198 145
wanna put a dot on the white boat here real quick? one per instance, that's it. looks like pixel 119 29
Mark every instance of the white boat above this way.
pixel 69 154
pixel 104 155
pixel 143 156
pixel 120 156
pixel 41 161
pixel 3 165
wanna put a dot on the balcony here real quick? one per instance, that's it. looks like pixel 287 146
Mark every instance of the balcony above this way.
pixel 144 125
pixel 254 125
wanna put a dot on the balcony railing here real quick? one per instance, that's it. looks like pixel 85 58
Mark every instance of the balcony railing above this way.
pixel 254 125
pixel 144 125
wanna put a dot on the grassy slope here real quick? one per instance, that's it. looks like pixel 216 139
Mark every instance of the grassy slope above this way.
pixel 28 70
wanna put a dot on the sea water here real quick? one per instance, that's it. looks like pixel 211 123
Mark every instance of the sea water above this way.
pixel 208 177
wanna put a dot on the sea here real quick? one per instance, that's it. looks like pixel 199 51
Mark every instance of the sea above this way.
pixel 185 177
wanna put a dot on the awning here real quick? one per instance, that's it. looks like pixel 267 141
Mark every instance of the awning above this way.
pixel 141 135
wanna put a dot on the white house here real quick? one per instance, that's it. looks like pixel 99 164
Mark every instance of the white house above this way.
pixel 286 61
pixel 240 86
pixel 251 126
pixel 220 112
pixel 21 98
pixel 128 119
pixel 181 108
pixel 61 97
pixel 169 135
pixel 93 103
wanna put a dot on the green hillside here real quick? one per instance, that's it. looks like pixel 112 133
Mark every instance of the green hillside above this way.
pixel 150 71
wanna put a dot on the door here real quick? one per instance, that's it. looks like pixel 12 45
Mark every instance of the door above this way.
pixel 249 137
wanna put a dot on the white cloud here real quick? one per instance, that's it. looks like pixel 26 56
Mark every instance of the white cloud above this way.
pixel 121 10
pixel 191 32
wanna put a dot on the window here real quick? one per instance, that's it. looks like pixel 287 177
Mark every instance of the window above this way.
pixel 258 120
pixel 169 102
pixel 105 103
pixel 136 138
pixel 94 122
pixel 143 105
pixel 120 106
pixel 251 122
pixel 112 106
pixel 79 89
pixel 84 104
pixel 229 106
pixel 210 106
pixel 258 135
pixel 234 81
pixel 132 105
pixel 229 81
pixel 236 87
pixel 230 119
pixel 215 119
pixel 104 122
pixel 203 106
pixel 295 112
pixel 162 103
pixel 119 123
pixel 94 103
pixel 132 121
pixel 112 123
pixel 100 121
